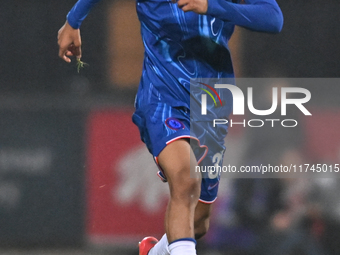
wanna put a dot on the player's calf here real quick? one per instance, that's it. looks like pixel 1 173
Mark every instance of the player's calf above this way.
pixel 202 219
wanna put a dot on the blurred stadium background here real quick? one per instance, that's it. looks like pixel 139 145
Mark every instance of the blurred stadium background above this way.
pixel 74 177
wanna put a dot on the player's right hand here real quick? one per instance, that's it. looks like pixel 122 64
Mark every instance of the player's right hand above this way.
pixel 69 42
pixel 198 6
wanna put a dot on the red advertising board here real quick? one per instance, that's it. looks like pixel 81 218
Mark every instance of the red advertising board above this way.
pixel 125 199
pixel 323 136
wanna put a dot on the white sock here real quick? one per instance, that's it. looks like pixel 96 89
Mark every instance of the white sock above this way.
pixel 183 247
pixel 161 248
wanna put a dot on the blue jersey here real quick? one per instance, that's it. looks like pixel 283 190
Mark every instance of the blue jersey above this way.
pixel 180 46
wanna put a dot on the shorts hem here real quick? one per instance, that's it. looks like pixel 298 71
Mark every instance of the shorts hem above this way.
pixel 173 140
pixel 156 154
pixel 207 202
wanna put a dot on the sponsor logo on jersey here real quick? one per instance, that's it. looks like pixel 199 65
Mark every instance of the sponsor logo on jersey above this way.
pixel 174 123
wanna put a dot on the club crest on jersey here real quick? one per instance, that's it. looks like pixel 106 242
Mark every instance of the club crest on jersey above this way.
pixel 174 123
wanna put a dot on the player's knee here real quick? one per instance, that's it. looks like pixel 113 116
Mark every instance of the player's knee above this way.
pixel 185 189
pixel 201 227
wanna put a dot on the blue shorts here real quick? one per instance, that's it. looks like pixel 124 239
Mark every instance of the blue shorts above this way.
pixel 160 124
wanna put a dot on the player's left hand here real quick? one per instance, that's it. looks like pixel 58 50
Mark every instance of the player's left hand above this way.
pixel 69 41
pixel 198 6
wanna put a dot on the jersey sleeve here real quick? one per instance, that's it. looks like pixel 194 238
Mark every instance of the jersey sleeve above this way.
pixel 79 12
pixel 257 15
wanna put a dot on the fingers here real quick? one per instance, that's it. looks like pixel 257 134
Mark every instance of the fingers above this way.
pixel 182 4
pixel 77 52
pixel 63 48
pixel 74 50
pixel 66 52
pixel 63 52
pixel 187 8
pixel 77 48
pixel 198 6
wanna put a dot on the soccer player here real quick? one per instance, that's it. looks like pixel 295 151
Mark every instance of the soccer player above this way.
pixel 183 40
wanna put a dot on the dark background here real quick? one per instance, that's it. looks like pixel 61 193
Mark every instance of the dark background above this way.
pixel 44 102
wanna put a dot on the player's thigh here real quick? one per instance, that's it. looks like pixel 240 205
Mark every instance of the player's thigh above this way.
pixel 178 163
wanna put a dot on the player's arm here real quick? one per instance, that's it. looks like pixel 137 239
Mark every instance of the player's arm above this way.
pixel 69 39
pixel 258 15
